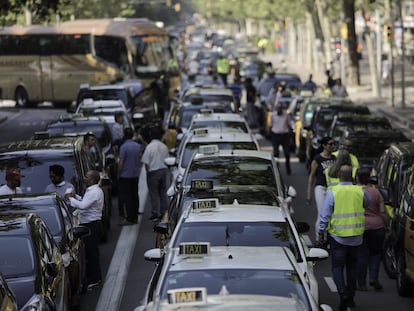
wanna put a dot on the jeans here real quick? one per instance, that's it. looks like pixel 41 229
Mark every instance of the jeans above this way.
pixel 93 266
pixel 320 194
pixel 157 188
pixel 283 140
pixel 370 255
pixel 128 195
pixel 344 257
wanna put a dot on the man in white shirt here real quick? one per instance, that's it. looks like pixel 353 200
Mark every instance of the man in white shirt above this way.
pixel 13 180
pixel 90 215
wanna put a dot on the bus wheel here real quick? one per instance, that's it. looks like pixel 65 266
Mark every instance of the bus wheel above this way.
pixel 21 97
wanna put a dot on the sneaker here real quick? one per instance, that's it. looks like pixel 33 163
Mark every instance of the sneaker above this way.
pixel 94 285
pixel 377 285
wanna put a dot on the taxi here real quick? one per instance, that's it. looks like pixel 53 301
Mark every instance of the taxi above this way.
pixel 32 265
pixel 7 298
pixel 207 118
pixel 193 270
pixel 206 220
pixel 216 138
pixel 234 167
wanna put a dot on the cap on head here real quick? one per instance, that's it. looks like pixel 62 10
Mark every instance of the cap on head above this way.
pixel 13 174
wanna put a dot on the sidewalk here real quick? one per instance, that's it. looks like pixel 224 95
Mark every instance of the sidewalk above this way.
pixel 401 116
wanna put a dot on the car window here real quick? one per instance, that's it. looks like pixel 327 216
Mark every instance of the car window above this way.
pixel 220 124
pixel 19 259
pixel 239 281
pixel 50 217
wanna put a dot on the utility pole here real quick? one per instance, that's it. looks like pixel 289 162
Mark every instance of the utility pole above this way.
pixel 378 35
pixel 389 31
pixel 403 55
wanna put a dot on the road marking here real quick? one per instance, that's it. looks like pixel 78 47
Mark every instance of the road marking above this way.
pixel 115 281
pixel 331 284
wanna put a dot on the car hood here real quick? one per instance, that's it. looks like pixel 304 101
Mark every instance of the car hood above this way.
pixel 23 288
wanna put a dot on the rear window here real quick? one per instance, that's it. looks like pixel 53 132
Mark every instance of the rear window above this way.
pixel 18 260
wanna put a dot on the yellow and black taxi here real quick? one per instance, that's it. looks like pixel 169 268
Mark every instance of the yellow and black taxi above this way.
pixel 229 273
pixel 7 298
pixel 206 220
pixel 32 265
pixel 395 181
pixel 33 158
pixel 55 213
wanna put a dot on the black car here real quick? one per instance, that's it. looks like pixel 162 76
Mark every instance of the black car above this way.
pixel 32 264
pixel 33 158
pixel 7 298
pixel 370 135
pixel 54 212
pixel 321 121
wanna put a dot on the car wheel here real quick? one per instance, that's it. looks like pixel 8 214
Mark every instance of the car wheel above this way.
pixel 404 287
pixel 389 260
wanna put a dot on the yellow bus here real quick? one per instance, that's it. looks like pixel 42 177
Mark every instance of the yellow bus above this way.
pixel 49 63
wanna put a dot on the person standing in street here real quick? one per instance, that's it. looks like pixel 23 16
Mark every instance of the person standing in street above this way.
pixel 223 68
pixel 347 144
pixel 157 173
pixel 310 85
pixel 279 129
pixel 13 181
pixel 129 168
pixel 376 219
pixel 90 215
pixel 342 217
pixel 339 89
pixel 251 95
pixel 317 177
pixel 58 183
pixel 117 129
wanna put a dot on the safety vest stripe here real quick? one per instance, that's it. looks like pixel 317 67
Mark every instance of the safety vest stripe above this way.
pixel 351 226
pixel 347 215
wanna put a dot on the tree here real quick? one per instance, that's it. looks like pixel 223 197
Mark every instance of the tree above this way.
pixel 353 77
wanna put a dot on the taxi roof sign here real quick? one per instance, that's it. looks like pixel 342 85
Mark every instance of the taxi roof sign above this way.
pixel 208 149
pixel 201 184
pixel 206 111
pixel 204 205
pixel 194 249
pixel 190 296
pixel 200 132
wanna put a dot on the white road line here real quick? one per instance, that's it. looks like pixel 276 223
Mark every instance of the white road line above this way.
pixel 331 284
pixel 113 288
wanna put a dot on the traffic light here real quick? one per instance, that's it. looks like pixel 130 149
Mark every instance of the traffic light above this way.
pixel 389 33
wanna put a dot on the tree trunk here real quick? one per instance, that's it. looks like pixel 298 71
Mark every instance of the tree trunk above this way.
pixel 353 77
pixel 326 30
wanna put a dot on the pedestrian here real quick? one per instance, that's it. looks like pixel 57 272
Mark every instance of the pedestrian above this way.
pixel 347 144
pixel 330 80
pixel 317 179
pixel 339 89
pixel 376 219
pixel 279 128
pixel 13 181
pixel 342 217
pixel 92 150
pixel 310 85
pixel 251 96
pixel 237 89
pixel 117 129
pixel 58 183
pixel 90 215
pixel 129 169
pixel 223 68
pixel 157 173
pixel 193 68
pixel 236 69
pixel 332 172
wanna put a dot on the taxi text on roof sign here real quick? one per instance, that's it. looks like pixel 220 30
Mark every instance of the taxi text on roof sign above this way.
pixel 200 132
pixel 187 296
pixel 206 111
pixel 201 184
pixel 194 248
pixel 205 204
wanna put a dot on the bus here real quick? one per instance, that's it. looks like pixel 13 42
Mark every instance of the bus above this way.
pixel 49 63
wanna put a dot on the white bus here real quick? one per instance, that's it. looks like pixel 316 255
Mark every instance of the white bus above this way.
pixel 48 63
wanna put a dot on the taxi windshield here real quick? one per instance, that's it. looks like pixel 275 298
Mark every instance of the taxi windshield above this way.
pixel 233 171
pixel 239 281
pixel 236 234
pixel 219 124
pixel 18 260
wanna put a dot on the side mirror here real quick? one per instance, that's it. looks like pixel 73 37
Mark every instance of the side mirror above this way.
pixel 316 254
pixel 80 231
pixel 137 116
pixel 291 192
pixel 154 254
pixel 170 161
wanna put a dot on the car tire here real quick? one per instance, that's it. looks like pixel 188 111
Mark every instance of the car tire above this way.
pixel 404 287
pixel 389 258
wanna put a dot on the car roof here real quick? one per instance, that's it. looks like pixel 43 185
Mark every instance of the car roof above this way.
pixel 234 257
pixel 52 145
pixel 15 224
pixel 266 155
pixel 216 135
pixel 236 213
pixel 208 116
